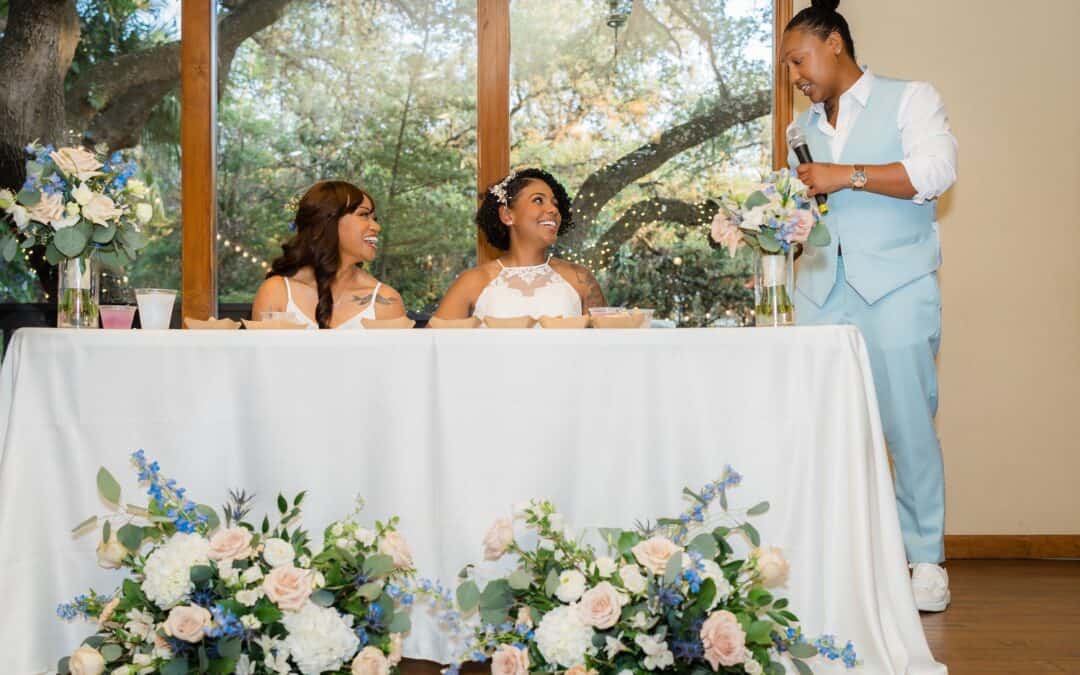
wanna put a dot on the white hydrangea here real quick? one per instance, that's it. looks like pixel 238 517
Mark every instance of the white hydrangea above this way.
pixel 563 637
pixel 318 640
pixel 168 569
pixel 657 654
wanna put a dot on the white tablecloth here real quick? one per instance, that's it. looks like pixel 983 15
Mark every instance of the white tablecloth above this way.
pixel 448 429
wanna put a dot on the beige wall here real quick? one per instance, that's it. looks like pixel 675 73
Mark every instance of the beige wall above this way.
pixel 1010 360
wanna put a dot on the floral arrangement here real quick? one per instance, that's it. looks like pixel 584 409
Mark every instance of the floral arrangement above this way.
pixel 774 216
pixel 661 602
pixel 77 203
pixel 240 598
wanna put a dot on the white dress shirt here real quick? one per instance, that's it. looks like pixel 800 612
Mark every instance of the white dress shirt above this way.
pixel 928 142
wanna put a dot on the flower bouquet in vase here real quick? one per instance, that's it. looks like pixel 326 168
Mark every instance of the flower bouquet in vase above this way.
pixel 87 210
pixel 774 219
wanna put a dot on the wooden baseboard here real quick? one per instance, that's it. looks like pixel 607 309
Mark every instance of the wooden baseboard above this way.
pixel 1011 546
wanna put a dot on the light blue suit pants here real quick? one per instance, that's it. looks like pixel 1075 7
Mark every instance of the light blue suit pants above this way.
pixel 902 332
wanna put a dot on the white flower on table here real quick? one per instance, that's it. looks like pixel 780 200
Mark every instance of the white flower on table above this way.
pixel 277 552
pixel 571 586
pixel 657 654
pixel 168 569
pixel 318 640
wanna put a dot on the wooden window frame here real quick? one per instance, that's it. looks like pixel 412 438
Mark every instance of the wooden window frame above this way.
pixel 198 137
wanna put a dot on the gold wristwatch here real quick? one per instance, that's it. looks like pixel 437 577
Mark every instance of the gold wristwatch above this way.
pixel 858 177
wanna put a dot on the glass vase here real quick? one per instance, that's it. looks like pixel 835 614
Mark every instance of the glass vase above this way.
pixel 78 293
pixel 774 287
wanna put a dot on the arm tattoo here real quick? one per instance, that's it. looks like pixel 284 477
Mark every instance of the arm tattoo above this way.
pixel 594 295
pixel 365 300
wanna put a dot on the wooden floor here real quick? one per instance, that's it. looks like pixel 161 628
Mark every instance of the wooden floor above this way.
pixel 1009 616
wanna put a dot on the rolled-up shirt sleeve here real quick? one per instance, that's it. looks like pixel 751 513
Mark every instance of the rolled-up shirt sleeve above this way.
pixel 929 145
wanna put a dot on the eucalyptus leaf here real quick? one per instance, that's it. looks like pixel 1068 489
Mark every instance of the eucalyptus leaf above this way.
pixel 496 595
pixel 752 533
pixel 768 241
pixel 674 568
pixel 323 598
pixel 705 544
pixel 84 525
pixel 53 254
pixel 230 648
pixel 519 580
pixel 28 198
pixel 70 241
pixel 131 536
pixel 758 509
pixel 28 243
pixel 370 590
pixel 819 236
pixel 378 565
pixel 802 650
pixel 802 667
pixel 103 235
pixel 212 520
pixel 551 583
pixel 107 486
pixel 106 530
pixel 756 198
pixel 111 652
pixel 468 596
pixel 401 623
pixel 9 248
pixel 63 666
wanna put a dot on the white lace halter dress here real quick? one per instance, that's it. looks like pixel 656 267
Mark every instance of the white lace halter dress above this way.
pixel 533 290
pixel 352 324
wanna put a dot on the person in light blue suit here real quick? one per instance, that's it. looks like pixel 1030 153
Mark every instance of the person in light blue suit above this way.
pixel 883 153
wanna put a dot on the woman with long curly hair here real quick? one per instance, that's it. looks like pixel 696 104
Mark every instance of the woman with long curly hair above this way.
pixel 320 276
pixel 523 215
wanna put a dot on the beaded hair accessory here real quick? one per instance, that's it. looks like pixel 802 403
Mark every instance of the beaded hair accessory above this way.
pixel 499 189
pixel 290 208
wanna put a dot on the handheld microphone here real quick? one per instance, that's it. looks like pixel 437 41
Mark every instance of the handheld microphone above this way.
pixel 796 140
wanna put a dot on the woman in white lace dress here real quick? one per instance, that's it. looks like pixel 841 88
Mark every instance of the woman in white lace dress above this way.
pixel 523 215
pixel 320 277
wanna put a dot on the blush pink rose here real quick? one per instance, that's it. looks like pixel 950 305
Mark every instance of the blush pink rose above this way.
pixel 723 639
pixel 187 623
pixel 601 606
pixel 654 553
pixel 233 543
pixel 580 670
pixel 498 538
pixel 804 222
pixel 726 233
pixel 370 661
pixel 394 545
pixel 509 660
pixel 288 587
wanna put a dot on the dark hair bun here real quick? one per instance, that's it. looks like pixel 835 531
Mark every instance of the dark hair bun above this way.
pixel 827 5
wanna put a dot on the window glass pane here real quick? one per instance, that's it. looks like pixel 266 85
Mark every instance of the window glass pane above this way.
pixel 645 110
pixel 120 90
pixel 380 94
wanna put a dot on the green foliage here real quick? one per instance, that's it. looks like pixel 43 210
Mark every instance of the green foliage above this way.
pixel 319 95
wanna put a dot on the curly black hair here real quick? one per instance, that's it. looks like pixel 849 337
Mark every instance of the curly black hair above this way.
pixel 487 216
pixel 822 19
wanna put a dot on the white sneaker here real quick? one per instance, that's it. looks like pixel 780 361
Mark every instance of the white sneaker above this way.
pixel 930 583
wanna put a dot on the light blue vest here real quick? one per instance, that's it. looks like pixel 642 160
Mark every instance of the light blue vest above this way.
pixel 886 242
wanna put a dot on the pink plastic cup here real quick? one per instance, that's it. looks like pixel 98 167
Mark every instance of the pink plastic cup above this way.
pixel 117 316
